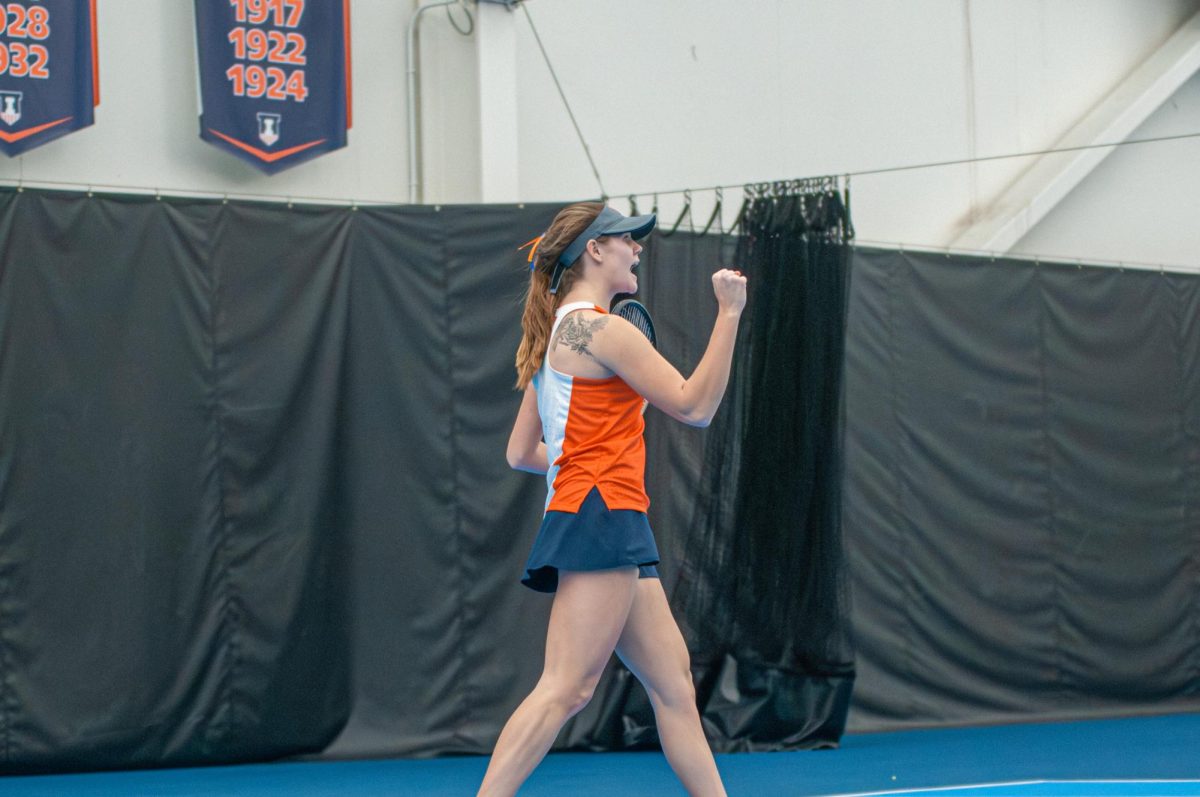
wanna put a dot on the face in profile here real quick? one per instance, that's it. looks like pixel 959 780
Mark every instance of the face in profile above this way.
pixel 620 258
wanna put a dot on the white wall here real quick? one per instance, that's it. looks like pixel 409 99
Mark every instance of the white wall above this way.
pixel 679 94
pixel 692 93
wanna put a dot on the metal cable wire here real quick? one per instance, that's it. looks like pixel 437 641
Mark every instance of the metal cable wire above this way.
pixel 567 105
pixel 936 164
pixel 216 194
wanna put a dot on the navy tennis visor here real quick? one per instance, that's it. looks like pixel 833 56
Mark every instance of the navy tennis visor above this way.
pixel 609 222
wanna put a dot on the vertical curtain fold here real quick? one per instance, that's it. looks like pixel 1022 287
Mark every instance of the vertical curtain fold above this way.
pixel 1021 469
pixel 169 398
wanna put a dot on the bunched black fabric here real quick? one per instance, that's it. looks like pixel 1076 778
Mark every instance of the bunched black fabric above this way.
pixel 766 585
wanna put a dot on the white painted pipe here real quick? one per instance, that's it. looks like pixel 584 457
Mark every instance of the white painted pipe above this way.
pixel 414 155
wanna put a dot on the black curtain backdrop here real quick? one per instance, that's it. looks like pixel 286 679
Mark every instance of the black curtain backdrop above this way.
pixel 172 569
pixel 253 494
pixel 1022 470
pixel 253 497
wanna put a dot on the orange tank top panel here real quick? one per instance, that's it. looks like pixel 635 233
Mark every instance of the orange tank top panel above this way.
pixel 593 432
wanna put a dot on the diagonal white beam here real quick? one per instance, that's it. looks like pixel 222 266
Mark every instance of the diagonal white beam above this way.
pixel 1051 177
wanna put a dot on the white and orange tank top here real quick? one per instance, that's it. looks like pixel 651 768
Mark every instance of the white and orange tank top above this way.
pixel 593 432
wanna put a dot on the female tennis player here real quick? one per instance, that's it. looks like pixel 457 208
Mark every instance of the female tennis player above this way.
pixel 585 373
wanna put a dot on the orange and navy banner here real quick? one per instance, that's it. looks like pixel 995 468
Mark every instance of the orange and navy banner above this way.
pixel 274 78
pixel 49 82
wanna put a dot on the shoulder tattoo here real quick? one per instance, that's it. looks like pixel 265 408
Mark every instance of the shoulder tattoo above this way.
pixel 576 333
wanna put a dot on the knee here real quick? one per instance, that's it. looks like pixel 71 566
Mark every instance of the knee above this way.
pixel 676 690
pixel 572 695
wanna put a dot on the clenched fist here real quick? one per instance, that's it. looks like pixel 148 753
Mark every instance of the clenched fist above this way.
pixel 730 288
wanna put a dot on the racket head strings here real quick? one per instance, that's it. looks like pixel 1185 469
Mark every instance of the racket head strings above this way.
pixel 636 313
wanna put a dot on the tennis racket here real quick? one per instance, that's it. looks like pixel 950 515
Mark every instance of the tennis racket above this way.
pixel 636 313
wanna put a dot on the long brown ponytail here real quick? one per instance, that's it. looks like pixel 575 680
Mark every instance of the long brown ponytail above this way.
pixel 540 304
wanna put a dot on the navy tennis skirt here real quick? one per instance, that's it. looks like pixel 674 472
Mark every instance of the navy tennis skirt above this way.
pixel 594 538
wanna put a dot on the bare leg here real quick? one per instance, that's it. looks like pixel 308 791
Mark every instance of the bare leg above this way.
pixel 653 649
pixel 588 613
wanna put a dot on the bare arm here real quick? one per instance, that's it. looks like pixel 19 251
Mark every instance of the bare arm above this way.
pixel 526 451
pixel 627 353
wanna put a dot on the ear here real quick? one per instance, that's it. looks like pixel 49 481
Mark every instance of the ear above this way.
pixel 593 248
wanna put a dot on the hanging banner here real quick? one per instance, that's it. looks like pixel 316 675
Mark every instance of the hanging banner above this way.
pixel 274 78
pixel 49 81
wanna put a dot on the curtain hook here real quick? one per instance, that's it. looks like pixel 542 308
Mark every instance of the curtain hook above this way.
pixel 717 213
pixel 686 210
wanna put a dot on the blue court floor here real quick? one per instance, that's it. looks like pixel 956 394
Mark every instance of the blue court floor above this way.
pixel 1144 756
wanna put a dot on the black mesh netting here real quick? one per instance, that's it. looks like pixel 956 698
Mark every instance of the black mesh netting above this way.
pixel 767 583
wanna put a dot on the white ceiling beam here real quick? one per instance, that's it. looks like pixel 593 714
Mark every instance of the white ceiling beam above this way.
pixel 1051 177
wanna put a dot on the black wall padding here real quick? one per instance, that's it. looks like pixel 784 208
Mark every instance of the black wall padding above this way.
pixel 1022 485
pixel 254 502
pixel 253 495
pixel 446 640
pixel 172 569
